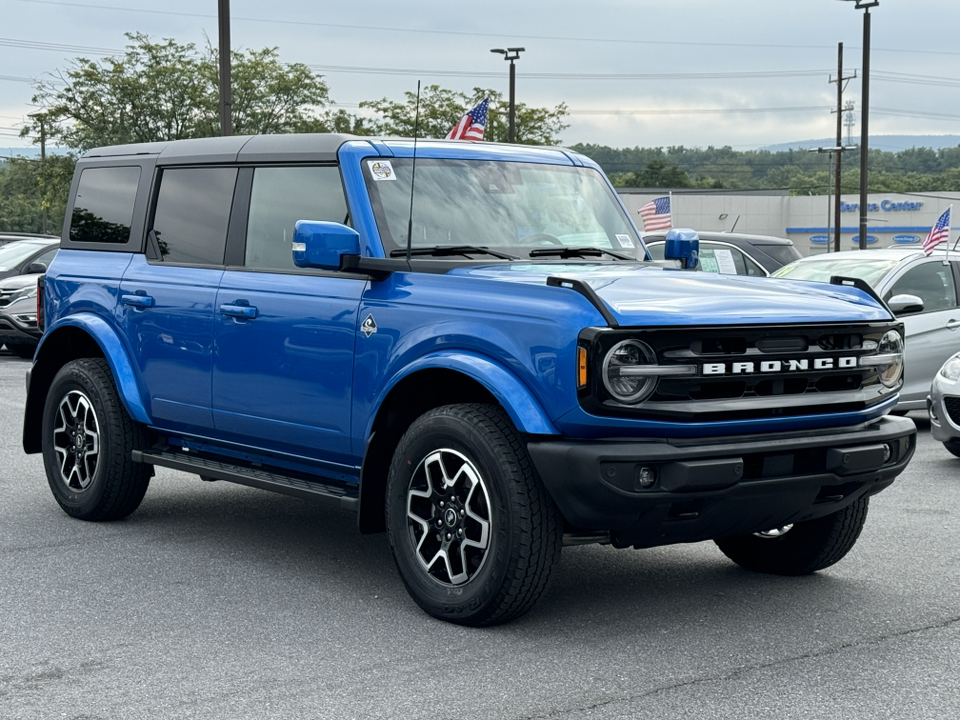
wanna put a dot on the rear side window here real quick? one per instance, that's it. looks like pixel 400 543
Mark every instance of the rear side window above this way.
pixel 280 197
pixel 192 215
pixel 783 254
pixel 103 208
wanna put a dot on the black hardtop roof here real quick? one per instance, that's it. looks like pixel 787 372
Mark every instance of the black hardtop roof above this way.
pixel 295 147
pixel 318 147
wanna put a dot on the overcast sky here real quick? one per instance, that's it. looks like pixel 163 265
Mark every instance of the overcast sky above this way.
pixel 744 73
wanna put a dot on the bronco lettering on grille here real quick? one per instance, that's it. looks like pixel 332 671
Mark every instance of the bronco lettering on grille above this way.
pixel 779 366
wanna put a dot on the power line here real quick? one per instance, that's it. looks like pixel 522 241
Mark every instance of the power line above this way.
pixel 727 75
pixel 41 45
pixel 497 34
pixel 698 111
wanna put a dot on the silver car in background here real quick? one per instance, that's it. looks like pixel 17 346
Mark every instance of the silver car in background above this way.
pixel 920 290
pixel 944 405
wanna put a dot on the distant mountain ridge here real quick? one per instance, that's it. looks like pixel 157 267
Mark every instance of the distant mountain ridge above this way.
pixel 889 143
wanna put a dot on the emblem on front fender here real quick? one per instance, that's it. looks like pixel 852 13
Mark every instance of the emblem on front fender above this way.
pixel 369 326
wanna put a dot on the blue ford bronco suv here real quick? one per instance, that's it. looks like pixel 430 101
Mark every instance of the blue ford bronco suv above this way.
pixel 467 345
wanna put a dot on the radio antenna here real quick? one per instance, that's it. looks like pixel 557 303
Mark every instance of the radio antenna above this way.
pixel 413 176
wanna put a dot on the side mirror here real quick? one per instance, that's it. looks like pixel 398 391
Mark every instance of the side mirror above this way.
pixel 683 245
pixel 34 268
pixel 905 304
pixel 319 244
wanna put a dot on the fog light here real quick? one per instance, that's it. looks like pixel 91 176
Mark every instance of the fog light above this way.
pixel 646 477
pixel 887 452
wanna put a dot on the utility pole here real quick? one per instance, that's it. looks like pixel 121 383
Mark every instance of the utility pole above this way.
pixel 511 54
pixel 837 189
pixel 865 5
pixel 226 100
pixel 41 118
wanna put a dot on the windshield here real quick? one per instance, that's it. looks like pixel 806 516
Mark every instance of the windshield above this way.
pixel 870 270
pixel 14 253
pixel 507 206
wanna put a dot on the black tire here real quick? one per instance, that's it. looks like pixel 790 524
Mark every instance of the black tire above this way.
pixel 805 548
pixel 458 571
pixel 953 446
pixel 22 350
pixel 87 442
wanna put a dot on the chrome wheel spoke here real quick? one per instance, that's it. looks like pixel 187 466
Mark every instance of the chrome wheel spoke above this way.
pixel 76 440
pixel 448 517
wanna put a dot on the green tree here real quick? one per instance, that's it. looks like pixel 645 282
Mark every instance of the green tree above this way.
pixel 169 91
pixel 31 189
pixel 440 109
pixel 656 174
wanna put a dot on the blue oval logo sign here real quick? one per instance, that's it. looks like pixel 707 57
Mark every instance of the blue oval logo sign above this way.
pixel 870 239
pixel 819 239
pixel 906 239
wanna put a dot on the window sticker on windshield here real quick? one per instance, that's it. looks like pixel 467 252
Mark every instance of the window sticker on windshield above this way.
pixel 381 170
pixel 625 241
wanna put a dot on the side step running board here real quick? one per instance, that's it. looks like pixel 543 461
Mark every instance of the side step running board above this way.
pixel 341 494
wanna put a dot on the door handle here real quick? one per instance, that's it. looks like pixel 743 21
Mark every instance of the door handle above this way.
pixel 953 324
pixel 137 301
pixel 239 311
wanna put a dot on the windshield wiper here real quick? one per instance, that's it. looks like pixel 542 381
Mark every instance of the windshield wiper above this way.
pixel 441 250
pixel 569 252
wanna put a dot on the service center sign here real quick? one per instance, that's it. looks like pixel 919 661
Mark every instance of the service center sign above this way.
pixel 885 205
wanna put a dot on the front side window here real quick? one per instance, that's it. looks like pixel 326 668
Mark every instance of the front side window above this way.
pixel 280 197
pixel 192 215
pixel 103 208
pixel 932 282
pixel 512 207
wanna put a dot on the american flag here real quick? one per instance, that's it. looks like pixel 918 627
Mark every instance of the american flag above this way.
pixel 938 233
pixel 656 214
pixel 472 124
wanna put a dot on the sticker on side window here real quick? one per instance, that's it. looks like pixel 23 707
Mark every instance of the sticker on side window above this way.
pixel 381 170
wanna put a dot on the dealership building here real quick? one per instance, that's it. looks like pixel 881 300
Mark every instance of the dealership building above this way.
pixel 892 218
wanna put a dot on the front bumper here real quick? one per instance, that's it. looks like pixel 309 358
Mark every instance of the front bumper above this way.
pixel 14 331
pixel 943 406
pixel 707 488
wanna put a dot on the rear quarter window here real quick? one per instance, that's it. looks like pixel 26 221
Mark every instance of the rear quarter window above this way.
pixel 103 207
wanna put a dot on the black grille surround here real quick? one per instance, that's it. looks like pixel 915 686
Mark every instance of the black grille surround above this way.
pixel 746 371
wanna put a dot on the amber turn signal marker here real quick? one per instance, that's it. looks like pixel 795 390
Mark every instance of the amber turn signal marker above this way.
pixel 581 367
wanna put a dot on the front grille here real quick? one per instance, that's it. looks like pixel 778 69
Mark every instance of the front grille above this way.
pixel 952 404
pixel 6 296
pixel 747 372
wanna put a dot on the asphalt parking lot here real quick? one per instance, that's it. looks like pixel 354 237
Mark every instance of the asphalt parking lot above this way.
pixel 218 601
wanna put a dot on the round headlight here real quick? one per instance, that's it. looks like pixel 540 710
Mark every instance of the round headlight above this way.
pixel 623 371
pixel 890 349
pixel 951 368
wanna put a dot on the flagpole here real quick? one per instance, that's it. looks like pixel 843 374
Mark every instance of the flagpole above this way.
pixel 946 259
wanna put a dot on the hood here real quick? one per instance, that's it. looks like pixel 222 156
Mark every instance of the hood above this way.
pixel 15 282
pixel 651 295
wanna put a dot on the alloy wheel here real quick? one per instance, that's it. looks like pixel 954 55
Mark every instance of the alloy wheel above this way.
pixel 76 440
pixel 449 517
